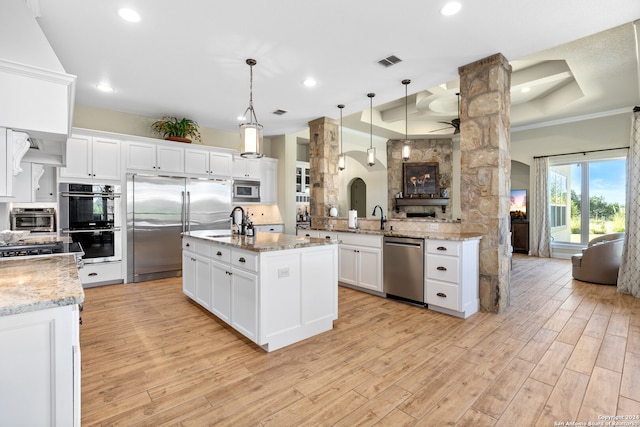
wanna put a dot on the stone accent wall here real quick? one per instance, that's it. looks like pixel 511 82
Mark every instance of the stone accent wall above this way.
pixel 486 171
pixel 422 150
pixel 323 168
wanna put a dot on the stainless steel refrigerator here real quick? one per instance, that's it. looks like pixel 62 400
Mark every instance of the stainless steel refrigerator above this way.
pixel 159 209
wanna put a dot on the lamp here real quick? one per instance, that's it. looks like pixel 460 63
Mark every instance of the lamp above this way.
pixel 371 152
pixel 406 147
pixel 251 131
pixel 341 156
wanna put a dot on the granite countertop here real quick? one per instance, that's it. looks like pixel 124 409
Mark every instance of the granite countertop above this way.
pixel 37 283
pixel 262 241
pixel 417 234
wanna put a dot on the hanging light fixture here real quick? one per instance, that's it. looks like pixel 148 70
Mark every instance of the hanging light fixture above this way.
pixel 251 130
pixel 341 156
pixel 371 152
pixel 406 146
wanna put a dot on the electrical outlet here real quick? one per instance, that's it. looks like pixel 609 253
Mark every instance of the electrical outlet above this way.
pixel 283 272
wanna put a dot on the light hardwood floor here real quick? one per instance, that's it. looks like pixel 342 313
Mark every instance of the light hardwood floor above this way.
pixel 563 351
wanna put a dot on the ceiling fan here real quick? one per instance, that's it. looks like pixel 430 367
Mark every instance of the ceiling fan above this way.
pixel 454 123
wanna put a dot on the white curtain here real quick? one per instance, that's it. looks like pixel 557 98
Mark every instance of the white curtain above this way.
pixel 629 274
pixel 540 228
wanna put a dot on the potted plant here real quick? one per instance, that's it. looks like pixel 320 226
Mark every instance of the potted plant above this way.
pixel 173 129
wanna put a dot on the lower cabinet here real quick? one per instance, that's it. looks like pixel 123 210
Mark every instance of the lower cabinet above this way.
pixel 451 276
pixel 40 368
pixel 274 298
pixel 361 261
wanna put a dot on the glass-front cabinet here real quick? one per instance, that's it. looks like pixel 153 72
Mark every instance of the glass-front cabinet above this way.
pixel 302 182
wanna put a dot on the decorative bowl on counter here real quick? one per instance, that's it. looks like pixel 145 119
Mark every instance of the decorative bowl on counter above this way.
pixel 9 236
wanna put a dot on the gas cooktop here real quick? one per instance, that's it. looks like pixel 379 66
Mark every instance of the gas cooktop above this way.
pixel 38 248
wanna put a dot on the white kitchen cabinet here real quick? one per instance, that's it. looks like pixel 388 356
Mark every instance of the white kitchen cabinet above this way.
pixel 189 274
pixel 274 298
pixel 100 273
pixel 158 157
pixel 268 181
pixel 40 368
pixel 361 261
pixel 36 183
pixel 320 234
pixel 196 269
pixel 200 162
pixel 302 182
pixel 92 158
pixel 45 186
pixel 451 276
pixel 246 168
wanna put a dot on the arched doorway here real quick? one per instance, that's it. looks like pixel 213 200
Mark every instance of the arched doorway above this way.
pixel 358 190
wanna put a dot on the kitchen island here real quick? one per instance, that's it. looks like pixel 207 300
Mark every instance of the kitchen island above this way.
pixel 39 340
pixel 275 289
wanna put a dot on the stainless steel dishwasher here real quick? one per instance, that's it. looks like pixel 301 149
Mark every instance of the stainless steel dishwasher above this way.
pixel 403 275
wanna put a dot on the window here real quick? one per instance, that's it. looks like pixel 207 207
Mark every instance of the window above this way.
pixel 586 199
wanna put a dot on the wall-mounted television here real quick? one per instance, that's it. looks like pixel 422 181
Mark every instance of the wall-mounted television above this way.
pixel 518 207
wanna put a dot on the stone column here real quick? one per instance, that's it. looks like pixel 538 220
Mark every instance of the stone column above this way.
pixel 323 165
pixel 486 171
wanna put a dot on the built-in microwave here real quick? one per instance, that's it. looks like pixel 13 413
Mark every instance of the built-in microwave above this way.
pixel 246 191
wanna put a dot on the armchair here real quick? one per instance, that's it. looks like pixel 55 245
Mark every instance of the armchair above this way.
pixel 600 261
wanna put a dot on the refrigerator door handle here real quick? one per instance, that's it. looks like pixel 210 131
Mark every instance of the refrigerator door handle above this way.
pixel 189 211
pixel 183 213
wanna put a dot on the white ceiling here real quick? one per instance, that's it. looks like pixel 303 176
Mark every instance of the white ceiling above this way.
pixel 187 58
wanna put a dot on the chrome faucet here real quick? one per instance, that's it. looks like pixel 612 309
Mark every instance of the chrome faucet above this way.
pixel 382 220
pixel 242 227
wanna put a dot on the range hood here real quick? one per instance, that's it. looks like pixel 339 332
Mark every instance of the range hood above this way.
pixel 37 94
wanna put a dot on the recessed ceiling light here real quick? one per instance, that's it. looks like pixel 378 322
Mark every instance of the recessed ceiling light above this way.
pixel 104 87
pixel 309 82
pixel 525 89
pixel 451 8
pixel 129 15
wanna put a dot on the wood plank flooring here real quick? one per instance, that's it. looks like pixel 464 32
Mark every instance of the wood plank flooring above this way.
pixel 563 351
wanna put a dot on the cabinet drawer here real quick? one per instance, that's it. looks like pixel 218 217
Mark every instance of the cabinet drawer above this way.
pixel 100 272
pixel 443 268
pixel 221 253
pixel 246 260
pixel 443 247
pixel 196 246
pixel 443 295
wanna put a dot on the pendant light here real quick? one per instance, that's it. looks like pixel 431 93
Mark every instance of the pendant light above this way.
pixel 251 131
pixel 371 152
pixel 406 146
pixel 341 156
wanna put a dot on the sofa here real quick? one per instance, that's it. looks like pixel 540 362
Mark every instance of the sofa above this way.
pixel 599 262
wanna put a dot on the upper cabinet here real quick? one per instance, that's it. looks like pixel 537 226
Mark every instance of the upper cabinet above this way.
pixel 92 158
pixel 200 162
pixel 246 168
pixel 149 156
pixel 268 181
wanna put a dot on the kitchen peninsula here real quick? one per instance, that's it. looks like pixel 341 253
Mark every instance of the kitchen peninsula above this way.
pixel 273 288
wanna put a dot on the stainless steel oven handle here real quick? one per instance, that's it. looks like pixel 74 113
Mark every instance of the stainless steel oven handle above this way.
pixel 91 195
pixel 89 230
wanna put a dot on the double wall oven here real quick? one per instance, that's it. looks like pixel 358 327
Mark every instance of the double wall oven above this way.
pixel 90 215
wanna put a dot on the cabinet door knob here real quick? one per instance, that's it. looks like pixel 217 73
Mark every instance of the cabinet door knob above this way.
pixel 441 294
pixel 187 244
pixel 242 259
pixel 442 248
pixel 219 253
pixel 441 268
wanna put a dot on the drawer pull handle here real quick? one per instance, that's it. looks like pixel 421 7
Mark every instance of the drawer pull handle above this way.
pixel 307 235
pixel 441 294
pixel 327 237
pixel 92 274
pixel 441 268
pixel 219 253
pixel 242 259
pixel 441 248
